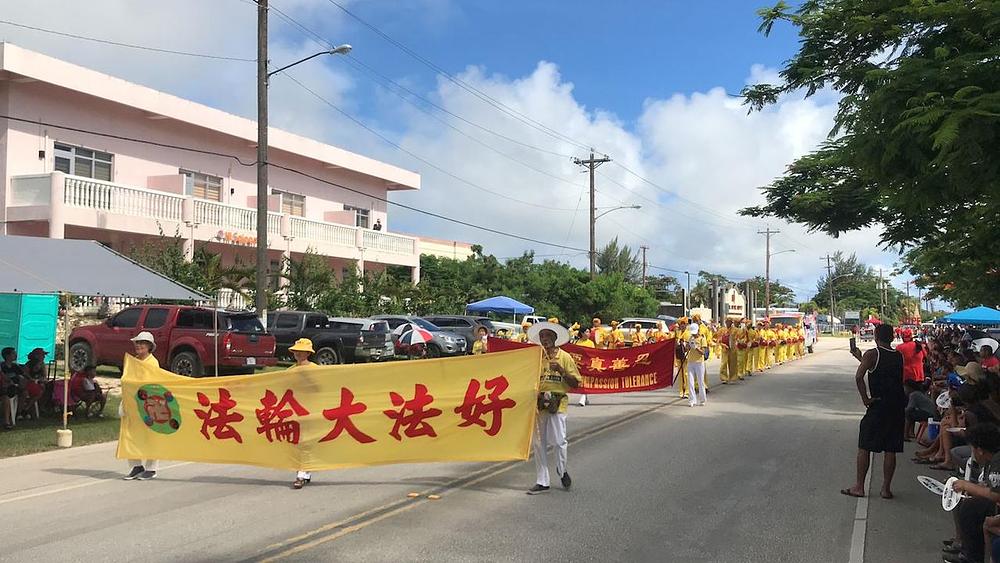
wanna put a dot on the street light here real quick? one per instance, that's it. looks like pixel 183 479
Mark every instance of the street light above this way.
pixel 767 280
pixel 616 209
pixel 593 230
pixel 263 81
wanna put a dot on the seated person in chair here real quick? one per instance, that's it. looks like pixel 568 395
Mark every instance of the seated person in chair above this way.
pixel 83 388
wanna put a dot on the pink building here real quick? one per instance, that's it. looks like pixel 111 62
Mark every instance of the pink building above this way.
pixel 66 183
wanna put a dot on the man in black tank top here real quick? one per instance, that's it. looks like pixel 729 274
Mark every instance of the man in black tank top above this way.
pixel 882 426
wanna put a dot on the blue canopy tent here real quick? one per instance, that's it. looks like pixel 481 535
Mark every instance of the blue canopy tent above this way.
pixel 500 304
pixel 974 316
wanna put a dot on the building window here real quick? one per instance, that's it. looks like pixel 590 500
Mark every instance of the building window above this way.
pixel 292 204
pixel 361 215
pixel 83 162
pixel 202 186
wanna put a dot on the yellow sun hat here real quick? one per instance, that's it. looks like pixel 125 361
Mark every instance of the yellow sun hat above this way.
pixel 302 345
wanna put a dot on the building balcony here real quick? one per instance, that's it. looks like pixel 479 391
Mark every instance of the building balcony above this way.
pixel 49 204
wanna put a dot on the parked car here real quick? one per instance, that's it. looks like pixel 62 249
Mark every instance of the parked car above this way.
pixel 185 340
pixel 464 325
pixel 336 339
pixel 443 343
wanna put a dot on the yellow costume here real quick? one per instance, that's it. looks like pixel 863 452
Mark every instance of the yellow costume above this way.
pixel 751 350
pixel 741 351
pixel 760 352
pixel 616 338
pixel 680 336
pixel 722 343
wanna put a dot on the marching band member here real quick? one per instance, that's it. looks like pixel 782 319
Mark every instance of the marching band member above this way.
pixel 697 346
pixel 680 353
pixel 772 342
pixel 761 346
pixel 722 341
pixel 751 348
pixel 742 348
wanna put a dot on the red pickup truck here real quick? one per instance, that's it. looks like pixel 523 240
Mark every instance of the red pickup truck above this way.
pixel 185 339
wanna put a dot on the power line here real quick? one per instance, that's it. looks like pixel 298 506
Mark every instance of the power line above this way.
pixel 294 171
pixel 127 45
pixel 462 84
pixel 400 148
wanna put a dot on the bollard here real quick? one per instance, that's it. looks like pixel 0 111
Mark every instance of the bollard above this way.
pixel 64 438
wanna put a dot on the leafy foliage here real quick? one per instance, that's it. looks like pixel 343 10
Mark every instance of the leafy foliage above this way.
pixel 614 259
pixel 916 133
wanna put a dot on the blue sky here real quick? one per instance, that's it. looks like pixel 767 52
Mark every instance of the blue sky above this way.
pixel 617 54
pixel 644 81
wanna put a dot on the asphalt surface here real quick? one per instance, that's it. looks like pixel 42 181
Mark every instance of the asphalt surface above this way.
pixel 753 476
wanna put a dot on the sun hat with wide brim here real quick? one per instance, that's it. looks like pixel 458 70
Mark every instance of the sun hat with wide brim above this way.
pixel 145 336
pixel 971 371
pixel 302 345
pixel 562 335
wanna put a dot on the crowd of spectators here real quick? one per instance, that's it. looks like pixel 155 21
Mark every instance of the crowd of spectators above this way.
pixel 25 387
pixel 952 382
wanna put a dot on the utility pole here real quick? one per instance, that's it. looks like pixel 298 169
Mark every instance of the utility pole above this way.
pixel 767 270
pixel 881 290
pixel 829 285
pixel 592 164
pixel 263 264
pixel 644 249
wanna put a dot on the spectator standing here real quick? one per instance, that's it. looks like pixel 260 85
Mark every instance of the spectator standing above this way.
pixel 881 429
pixel 13 386
pixel 913 357
pixel 378 225
pixel 482 336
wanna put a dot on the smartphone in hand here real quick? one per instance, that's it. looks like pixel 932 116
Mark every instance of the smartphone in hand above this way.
pixel 854 344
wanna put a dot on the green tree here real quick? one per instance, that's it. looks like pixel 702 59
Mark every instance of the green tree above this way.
pixel 914 144
pixel 615 259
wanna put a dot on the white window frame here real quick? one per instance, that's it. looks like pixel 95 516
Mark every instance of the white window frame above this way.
pixel 74 153
pixel 207 180
pixel 296 203
pixel 362 216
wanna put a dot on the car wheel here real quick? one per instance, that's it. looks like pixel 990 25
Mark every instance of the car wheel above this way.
pixel 327 356
pixel 187 364
pixel 80 356
pixel 433 351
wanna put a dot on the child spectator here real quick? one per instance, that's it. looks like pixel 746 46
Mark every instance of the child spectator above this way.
pixel 86 390
pixel 919 407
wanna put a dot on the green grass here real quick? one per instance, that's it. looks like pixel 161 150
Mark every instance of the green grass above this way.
pixel 32 436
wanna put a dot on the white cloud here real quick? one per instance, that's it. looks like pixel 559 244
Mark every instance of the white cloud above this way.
pixel 702 147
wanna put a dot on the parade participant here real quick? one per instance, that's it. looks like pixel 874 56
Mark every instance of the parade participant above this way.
pixel 586 343
pixel 301 350
pixel 482 337
pixel 881 428
pixel 761 347
pixel 782 344
pixel 679 335
pixel 523 337
pixel 722 340
pixel 638 336
pixel 143 346
pixel 559 376
pixel 751 349
pixel 742 348
pixel 597 333
pixel 772 345
pixel 696 367
pixel 802 341
pixel 616 338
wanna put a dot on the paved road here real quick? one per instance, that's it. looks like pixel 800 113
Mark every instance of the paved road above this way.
pixel 751 477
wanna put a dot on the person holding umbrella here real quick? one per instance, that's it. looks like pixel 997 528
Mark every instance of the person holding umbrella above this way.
pixel 412 337
pixel 559 376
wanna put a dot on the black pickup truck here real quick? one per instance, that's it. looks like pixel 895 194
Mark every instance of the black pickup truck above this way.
pixel 336 340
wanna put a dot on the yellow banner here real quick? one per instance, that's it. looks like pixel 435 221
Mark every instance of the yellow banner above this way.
pixel 472 408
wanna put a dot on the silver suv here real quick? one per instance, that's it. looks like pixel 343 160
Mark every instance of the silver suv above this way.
pixel 443 343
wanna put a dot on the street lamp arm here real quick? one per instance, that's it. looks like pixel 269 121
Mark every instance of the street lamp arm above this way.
pixel 341 50
pixel 598 216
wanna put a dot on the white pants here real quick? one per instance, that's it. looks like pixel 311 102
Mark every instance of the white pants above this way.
pixel 304 475
pixel 550 430
pixel 147 464
pixel 696 373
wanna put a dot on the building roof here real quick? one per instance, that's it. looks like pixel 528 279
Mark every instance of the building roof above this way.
pixel 81 267
pixel 35 66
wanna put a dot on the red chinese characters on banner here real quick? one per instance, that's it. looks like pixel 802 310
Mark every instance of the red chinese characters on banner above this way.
pixel 412 414
pixel 476 406
pixel 273 418
pixel 218 418
pixel 622 370
pixel 342 418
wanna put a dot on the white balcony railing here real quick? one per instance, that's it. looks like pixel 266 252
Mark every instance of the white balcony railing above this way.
pixel 385 242
pixel 124 200
pixel 79 192
pixel 330 233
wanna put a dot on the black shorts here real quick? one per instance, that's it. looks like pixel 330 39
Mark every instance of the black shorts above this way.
pixel 881 428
